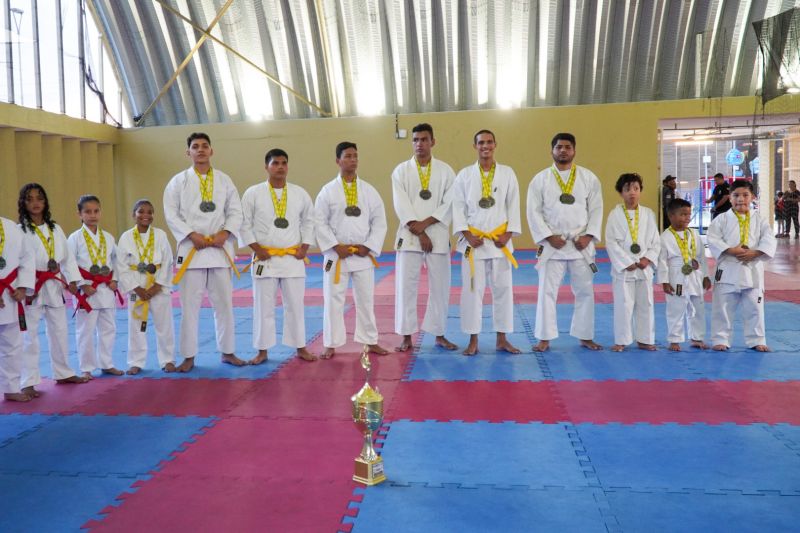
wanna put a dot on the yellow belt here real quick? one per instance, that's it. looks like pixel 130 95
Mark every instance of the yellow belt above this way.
pixel 277 252
pixel 493 236
pixel 141 308
pixel 338 273
pixel 190 256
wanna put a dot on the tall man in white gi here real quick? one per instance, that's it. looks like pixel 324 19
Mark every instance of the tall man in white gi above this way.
pixel 203 210
pixel 485 217
pixel 351 227
pixel 421 190
pixel 565 214
pixel 279 226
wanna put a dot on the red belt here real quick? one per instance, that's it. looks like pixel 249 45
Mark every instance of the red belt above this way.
pixel 97 280
pixel 5 285
pixel 43 276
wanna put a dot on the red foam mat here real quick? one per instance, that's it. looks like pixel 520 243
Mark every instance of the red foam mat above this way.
pixel 57 399
pixel 772 402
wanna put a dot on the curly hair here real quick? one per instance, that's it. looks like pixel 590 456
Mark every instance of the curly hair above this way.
pixel 24 217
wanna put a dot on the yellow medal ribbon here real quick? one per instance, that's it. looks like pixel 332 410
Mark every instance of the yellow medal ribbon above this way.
pixel 493 236
pixel 145 252
pixel 279 205
pixel 190 256
pixel 351 192
pixel 633 227
pixel 566 188
pixel 97 254
pixel 424 177
pixel 486 181
pixel 338 273
pixel 47 242
pixel 206 185
pixel 688 248
pixel 744 228
pixel 2 240
pixel 277 252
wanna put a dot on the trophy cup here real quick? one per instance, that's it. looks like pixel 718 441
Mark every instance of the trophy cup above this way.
pixel 368 416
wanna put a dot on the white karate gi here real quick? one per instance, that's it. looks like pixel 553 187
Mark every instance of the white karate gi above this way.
pixel 548 216
pixel 101 322
pixel 159 306
pixel 286 273
pixel 19 257
pixel 491 265
pixel 48 303
pixel 333 227
pixel 409 206
pixel 210 269
pixel 633 291
pixel 689 306
pixel 739 284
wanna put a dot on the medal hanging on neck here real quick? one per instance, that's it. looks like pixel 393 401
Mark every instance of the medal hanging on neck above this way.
pixel 2 245
pixel 351 198
pixel 487 200
pixel 633 227
pixel 688 249
pixel 145 251
pixel 49 247
pixel 424 180
pixel 744 229
pixel 566 188
pixel 280 206
pixel 206 191
pixel 97 254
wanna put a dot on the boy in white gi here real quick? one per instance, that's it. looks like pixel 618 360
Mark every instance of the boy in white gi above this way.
pixel 203 210
pixel 683 273
pixel 740 240
pixel 421 190
pixel 278 225
pixel 17 277
pixel 96 316
pixel 145 273
pixel 565 214
pixel 351 227
pixel 633 246
pixel 56 270
pixel 485 217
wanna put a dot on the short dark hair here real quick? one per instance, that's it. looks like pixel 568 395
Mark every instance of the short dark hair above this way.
pixel 481 132
pixel 630 177
pixel 342 146
pixel 140 202
pixel 424 126
pixel 85 199
pixel 197 135
pixel 740 184
pixel 563 137
pixel 275 152
pixel 677 203
pixel 719 175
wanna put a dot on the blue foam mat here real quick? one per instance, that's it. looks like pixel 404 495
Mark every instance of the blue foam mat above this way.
pixel 13 425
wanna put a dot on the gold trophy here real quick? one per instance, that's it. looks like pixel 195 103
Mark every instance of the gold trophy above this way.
pixel 368 416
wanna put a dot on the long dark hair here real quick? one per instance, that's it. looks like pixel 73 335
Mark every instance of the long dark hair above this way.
pixel 24 217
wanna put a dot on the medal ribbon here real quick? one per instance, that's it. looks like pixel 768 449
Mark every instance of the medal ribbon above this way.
pixel 688 248
pixel 97 254
pixel 48 243
pixel 744 228
pixel 486 181
pixel 280 205
pixel 206 185
pixel 2 240
pixel 351 192
pixel 424 177
pixel 145 252
pixel 492 235
pixel 632 227
pixel 566 188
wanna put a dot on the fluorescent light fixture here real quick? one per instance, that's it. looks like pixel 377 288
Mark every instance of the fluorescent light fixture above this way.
pixel 693 143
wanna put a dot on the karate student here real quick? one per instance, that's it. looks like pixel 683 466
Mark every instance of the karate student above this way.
pixel 741 241
pixel 56 270
pixel 485 218
pixel 279 226
pixel 94 250
pixel 351 227
pixel 17 277
pixel 203 210
pixel 145 259
pixel 421 190
pixel 633 246
pixel 683 273
pixel 565 214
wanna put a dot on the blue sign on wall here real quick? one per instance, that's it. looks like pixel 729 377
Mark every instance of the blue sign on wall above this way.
pixel 734 157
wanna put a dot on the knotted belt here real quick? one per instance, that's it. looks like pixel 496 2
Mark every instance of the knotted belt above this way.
pixel 43 276
pixel 277 252
pixel 141 307
pixel 493 236
pixel 5 285
pixel 338 273
pixel 97 280
pixel 190 256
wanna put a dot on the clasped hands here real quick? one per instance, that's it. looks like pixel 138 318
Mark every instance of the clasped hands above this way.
pixel 217 240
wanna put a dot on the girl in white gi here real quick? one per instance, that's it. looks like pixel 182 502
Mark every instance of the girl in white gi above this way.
pixel 740 240
pixel 633 246
pixel 351 227
pixel 683 273
pixel 485 218
pixel 95 252
pixel 56 270
pixel 278 224
pixel 17 277
pixel 145 269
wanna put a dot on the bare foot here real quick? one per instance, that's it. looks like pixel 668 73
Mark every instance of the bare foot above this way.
pixel 16 397
pixel 112 371
pixel 261 357
pixel 617 348
pixel 761 348
pixel 170 368
pixel 699 344
pixel 132 371
pixel 405 345
pixel 187 365
pixel 674 347
pixel 87 376
pixel 502 345
pixel 590 344
pixel 442 342
pixel 231 359
pixel 328 353
pixel 378 349
pixel 647 347
pixel 472 347
pixel 31 392
pixel 542 346
pixel 72 379
pixel 720 348
pixel 305 355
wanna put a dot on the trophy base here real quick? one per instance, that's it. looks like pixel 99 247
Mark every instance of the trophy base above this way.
pixel 369 472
